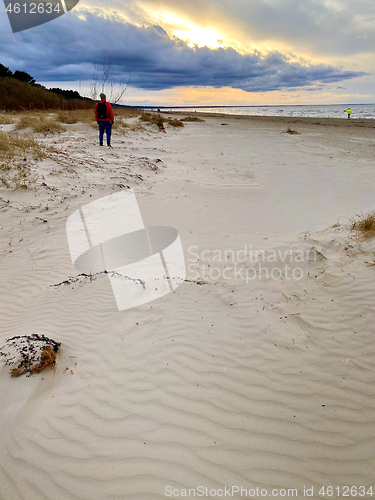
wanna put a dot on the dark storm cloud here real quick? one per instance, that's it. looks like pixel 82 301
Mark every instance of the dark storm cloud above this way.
pixel 67 49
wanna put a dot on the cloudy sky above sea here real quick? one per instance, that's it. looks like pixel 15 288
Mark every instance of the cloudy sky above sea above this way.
pixel 207 52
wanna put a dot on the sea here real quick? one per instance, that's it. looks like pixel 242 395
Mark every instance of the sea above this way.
pixel 313 111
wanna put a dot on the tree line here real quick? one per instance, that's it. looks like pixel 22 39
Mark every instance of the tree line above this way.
pixel 22 76
pixel 20 91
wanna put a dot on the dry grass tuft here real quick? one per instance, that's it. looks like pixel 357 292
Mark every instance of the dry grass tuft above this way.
pixel 5 120
pixel 46 123
pixel 137 128
pixel 153 119
pixel 26 121
pixel 39 123
pixel 48 126
pixel 134 127
pixel 12 144
pixel 364 224
pixel 13 164
pixel 192 119
pixel 17 177
pixel 88 116
pixel 126 112
pixel 175 123
pixel 120 124
pixel 67 117
pixel 158 120
pixel 77 116
pixel 290 131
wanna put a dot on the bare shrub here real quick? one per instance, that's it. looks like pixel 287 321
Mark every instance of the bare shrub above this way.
pixel 105 80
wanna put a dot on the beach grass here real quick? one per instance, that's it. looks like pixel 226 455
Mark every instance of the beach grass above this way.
pixel 6 120
pixel 122 126
pixel 76 116
pixel 364 225
pixel 48 126
pixel 88 116
pixel 159 121
pixel 14 166
pixel 25 121
pixel 173 122
pixel 67 117
pixel 40 123
pixel 153 119
pixel 134 127
pixel 12 144
pixel 126 112
pixel 19 179
pixel 192 119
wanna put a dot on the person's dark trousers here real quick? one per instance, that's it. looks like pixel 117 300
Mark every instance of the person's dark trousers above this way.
pixel 105 125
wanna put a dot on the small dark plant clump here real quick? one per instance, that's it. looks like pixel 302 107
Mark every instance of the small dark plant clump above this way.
pixel 29 354
pixel 290 131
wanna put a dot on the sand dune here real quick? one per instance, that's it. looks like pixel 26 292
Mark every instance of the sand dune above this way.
pixel 266 384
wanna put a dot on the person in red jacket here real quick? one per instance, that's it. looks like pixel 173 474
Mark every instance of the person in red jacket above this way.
pixel 104 118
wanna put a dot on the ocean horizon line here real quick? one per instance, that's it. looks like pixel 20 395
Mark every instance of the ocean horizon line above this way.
pixel 248 106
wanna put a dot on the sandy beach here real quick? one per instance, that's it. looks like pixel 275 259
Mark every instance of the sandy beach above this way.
pixel 237 379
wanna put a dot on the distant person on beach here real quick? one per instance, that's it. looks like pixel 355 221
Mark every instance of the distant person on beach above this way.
pixel 104 118
pixel 349 111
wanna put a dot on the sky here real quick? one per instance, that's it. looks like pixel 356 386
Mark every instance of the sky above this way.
pixel 206 52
